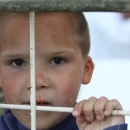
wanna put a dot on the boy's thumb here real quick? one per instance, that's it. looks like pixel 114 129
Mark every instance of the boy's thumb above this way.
pixel 81 122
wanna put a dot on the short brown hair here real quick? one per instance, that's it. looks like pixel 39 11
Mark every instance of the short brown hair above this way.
pixel 82 34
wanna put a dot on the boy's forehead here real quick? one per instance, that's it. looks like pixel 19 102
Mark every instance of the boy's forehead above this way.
pixel 58 23
pixel 53 20
pixel 58 18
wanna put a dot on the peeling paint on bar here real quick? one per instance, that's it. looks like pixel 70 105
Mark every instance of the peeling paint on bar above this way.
pixel 65 5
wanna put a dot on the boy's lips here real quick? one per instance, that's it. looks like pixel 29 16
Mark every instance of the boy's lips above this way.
pixel 39 103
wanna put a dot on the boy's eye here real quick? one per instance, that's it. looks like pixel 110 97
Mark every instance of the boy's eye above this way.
pixel 57 60
pixel 18 62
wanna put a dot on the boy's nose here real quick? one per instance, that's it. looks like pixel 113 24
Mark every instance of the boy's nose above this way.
pixel 41 82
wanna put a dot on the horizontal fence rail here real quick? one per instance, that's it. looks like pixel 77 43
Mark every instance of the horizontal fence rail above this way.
pixel 56 109
pixel 65 5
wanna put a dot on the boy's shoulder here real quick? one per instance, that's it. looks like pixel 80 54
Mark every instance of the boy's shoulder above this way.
pixel 68 123
pixel 9 122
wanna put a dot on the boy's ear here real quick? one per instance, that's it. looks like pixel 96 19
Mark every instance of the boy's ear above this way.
pixel 88 70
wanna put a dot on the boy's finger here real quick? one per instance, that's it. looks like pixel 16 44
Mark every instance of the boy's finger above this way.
pixel 112 105
pixel 81 122
pixel 88 108
pixel 78 108
pixel 100 107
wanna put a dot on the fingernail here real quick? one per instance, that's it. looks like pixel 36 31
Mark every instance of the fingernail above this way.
pixel 88 118
pixel 105 112
pixel 75 113
pixel 98 117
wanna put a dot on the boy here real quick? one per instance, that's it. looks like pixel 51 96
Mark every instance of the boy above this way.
pixel 62 64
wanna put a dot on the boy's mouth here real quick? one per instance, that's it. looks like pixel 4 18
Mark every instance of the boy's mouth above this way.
pixel 39 103
pixel 43 103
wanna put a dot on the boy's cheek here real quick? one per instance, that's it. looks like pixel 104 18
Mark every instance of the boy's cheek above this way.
pixel 12 90
pixel 67 93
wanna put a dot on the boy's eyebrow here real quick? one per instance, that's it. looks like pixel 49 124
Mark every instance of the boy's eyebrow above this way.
pixel 14 55
pixel 9 55
pixel 59 52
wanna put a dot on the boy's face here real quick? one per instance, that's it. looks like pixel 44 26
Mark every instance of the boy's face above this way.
pixel 60 67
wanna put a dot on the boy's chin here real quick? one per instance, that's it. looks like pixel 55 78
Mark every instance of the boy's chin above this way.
pixel 44 120
pixel 45 124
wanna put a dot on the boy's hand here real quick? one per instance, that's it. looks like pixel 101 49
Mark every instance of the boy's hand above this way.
pixel 95 114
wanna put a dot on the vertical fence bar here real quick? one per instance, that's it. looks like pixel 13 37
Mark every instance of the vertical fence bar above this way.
pixel 32 70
